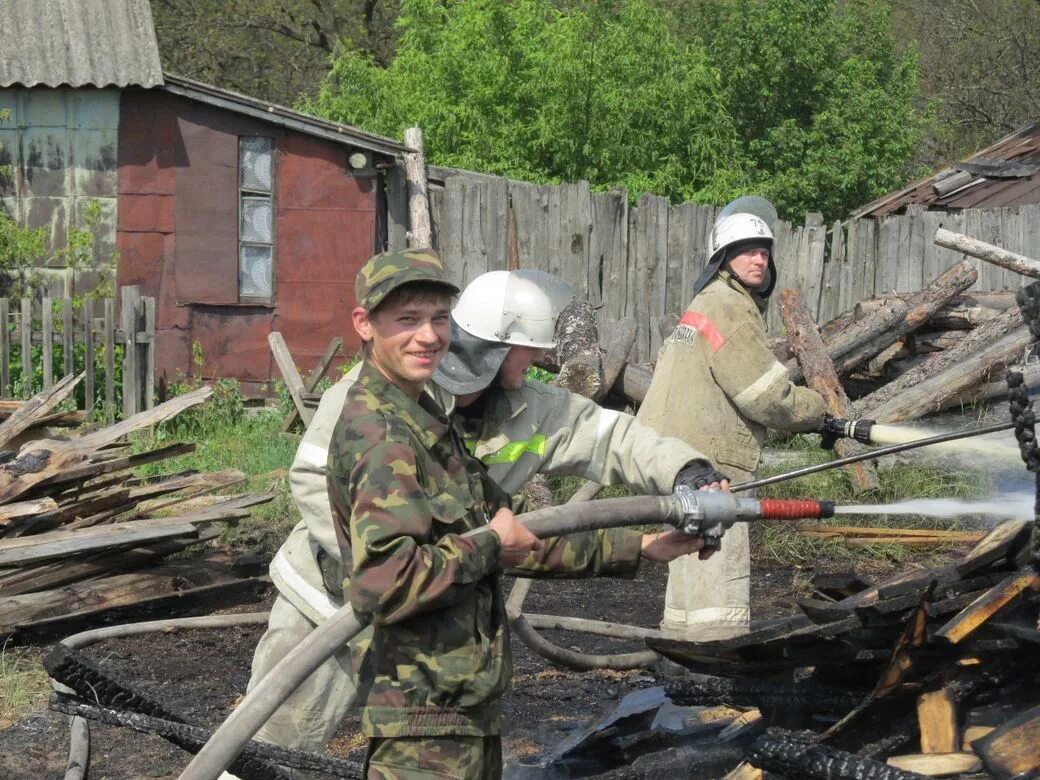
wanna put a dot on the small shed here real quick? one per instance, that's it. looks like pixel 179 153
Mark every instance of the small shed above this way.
pixel 1006 174
pixel 240 217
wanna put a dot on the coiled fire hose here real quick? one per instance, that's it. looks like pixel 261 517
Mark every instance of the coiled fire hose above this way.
pixel 707 514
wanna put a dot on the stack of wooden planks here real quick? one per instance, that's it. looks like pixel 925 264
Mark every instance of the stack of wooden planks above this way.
pixel 940 664
pixel 83 541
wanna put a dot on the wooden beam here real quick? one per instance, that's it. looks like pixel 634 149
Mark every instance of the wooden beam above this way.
pixel 820 375
pixel 1012 261
pixel 291 376
pixel 311 382
pixel 420 233
pixel 987 605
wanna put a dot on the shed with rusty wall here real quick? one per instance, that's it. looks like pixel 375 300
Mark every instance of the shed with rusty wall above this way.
pixel 185 202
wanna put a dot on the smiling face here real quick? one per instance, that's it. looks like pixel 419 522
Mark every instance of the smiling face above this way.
pixel 514 368
pixel 407 337
pixel 751 266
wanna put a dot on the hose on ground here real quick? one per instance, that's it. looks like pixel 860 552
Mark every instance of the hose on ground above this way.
pixel 79 741
pixel 260 703
pixel 525 627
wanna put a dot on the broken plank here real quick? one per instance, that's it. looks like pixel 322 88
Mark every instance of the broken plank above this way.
pixel 1003 542
pixel 38 548
pixel 936 764
pixel 867 531
pixel 987 605
pixel 937 718
pixel 1011 749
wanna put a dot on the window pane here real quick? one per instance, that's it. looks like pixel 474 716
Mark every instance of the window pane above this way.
pixel 254 271
pixel 256 220
pixel 255 156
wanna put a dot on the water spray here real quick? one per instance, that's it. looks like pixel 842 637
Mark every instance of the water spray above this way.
pixel 871 454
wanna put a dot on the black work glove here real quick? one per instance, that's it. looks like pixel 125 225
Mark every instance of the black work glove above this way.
pixel 697 474
pixel 835 428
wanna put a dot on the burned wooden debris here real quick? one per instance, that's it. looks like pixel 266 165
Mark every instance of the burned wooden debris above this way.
pixel 930 673
pixel 83 541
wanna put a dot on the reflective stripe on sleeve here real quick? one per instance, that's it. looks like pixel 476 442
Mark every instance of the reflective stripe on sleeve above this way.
pixel 511 452
pixel 759 387
pixel 605 422
pixel 318 600
pixel 705 327
pixel 312 455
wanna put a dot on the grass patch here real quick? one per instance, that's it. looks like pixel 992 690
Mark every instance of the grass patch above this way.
pixel 226 436
pixel 898 482
pixel 24 685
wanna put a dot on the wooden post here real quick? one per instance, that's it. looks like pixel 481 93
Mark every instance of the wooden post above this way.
pixel 128 308
pixel 5 348
pixel 47 353
pixel 149 352
pixel 283 358
pixel 88 357
pixel 110 358
pixel 68 337
pixel 820 375
pixel 27 362
pixel 1013 261
pixel 421 232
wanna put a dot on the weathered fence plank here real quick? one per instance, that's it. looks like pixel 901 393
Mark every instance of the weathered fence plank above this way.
pixel 640 261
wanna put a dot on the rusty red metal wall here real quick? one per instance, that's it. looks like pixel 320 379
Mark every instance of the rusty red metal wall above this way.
pixel 178 237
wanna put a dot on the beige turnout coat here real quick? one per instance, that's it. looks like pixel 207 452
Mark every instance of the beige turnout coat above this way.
pixel 718 387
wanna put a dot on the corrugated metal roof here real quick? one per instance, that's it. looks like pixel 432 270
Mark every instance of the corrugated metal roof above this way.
pixel 1005 174
pixel 282 116
pixel 78 42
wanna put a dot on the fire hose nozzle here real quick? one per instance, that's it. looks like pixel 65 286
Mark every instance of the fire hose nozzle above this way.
pixel 835 428
pixel 709 513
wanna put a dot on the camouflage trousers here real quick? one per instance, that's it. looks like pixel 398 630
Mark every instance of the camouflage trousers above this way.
pixel 308 719
pixel 434 758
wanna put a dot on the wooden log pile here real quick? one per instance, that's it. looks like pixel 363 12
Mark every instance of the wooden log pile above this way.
pixel 896 358
pixel 83 541
pixel 930 673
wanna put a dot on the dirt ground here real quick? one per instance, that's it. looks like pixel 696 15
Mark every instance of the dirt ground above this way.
pixel 201 673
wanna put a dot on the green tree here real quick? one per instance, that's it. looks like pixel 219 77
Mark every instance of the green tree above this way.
pixel 272 49
pixel 826 106
pixel 523 89
pixel 980 64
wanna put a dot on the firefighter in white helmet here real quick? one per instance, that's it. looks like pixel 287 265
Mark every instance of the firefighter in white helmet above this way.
pixel 718 387
pixel 501 323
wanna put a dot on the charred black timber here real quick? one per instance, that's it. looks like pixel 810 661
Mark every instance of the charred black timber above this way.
pixel 796 756
pixel 766 695
pixel 255 755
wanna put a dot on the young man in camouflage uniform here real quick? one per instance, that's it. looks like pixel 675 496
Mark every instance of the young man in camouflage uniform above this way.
pixel 407 493
pixel 517 433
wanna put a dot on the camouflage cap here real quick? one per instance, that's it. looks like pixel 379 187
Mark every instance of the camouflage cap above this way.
pixel 384 273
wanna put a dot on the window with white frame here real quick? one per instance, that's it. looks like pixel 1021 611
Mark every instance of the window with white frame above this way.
pixel 255 217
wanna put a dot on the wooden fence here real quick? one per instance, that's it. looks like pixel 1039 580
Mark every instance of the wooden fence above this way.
pixel 88 336
pixel 640 261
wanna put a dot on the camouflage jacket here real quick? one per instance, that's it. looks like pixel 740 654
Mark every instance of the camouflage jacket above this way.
pixel 401 480
pixel 536 429
pixel 718 386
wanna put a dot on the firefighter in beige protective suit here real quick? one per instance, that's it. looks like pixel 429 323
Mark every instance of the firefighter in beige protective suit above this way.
pixel 516 428
pixel 718 387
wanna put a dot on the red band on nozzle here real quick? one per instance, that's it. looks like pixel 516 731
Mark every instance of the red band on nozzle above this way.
pixel 795 509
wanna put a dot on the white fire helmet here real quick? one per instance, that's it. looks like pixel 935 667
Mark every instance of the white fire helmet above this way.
pixel 738 228
pixel 513 307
